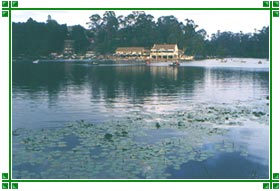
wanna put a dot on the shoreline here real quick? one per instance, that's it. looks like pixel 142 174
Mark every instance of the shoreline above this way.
pixel 132 61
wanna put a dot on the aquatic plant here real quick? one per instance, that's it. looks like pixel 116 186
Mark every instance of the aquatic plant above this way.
pixel 137 146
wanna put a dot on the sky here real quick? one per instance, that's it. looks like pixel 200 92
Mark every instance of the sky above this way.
pixel 211 21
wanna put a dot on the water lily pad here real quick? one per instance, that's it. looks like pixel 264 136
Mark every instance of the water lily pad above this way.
pixel 134 147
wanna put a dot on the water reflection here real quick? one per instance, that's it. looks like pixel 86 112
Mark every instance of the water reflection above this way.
pixel 64 91
pixel 227 86
pixel 48 95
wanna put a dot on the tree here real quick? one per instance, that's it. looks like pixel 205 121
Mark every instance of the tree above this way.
pixel 169 30
pixel 79 35
pixel 34 39
pixel 107 32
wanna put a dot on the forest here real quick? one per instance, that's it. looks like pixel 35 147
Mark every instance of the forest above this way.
pixel 108 31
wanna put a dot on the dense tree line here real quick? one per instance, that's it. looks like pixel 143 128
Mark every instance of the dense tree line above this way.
pixel 33 39
pixel 107 32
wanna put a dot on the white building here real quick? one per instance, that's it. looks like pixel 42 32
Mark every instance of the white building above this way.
pixel 165 51
pixel 131 51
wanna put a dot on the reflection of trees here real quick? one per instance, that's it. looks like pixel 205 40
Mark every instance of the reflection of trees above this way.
pixel 121 81
pixel 52 78
pixel 134 83
pixel 138 82
pixel 36 78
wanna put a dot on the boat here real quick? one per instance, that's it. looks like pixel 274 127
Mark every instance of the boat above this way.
pixel 35 62
pixel 173 64
pixel 94 63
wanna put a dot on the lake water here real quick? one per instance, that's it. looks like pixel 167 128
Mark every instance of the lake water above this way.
pixel 201 120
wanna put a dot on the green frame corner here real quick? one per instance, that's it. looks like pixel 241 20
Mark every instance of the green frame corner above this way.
pixel 14 3
pixel 5 3
pixel 275 3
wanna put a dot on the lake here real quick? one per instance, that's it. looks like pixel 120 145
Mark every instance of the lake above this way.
pixel 202 120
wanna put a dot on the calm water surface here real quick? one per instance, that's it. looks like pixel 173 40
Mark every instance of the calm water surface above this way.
pixel 204 119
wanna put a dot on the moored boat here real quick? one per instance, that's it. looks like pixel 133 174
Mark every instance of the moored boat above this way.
pixel 176 63
pixel 94 63
pixel 35 62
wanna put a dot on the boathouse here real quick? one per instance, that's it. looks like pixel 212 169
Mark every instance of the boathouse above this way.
pixel 165 51
pixel 131 52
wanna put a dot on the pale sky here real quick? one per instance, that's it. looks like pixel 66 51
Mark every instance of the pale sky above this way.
pixel 211 21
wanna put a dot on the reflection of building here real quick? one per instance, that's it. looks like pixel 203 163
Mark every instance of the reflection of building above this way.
pixel 131 51
pixel 165 51
pixel 164 72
